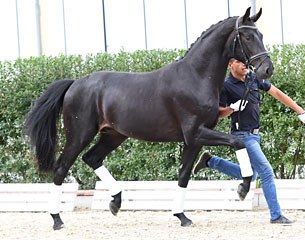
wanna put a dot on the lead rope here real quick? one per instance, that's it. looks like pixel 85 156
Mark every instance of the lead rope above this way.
pixel 243 100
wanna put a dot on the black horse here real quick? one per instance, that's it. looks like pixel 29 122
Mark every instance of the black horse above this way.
pixel 177 103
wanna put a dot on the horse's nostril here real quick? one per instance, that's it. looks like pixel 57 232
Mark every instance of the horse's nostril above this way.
pixel 269 71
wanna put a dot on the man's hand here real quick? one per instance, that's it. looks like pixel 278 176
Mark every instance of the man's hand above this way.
pixel 242 104
pixel 302 117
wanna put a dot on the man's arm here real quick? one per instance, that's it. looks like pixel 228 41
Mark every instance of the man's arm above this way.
pixel 225 112
pixel 234 107
pixel 285 99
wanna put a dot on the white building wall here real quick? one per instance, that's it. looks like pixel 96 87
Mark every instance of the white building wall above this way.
pixel 77 26
pixel 52 27
pixel 8 24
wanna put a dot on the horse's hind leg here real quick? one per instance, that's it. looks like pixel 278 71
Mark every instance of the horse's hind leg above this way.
pixel 188 158
pixel 74 145
pixel 108 141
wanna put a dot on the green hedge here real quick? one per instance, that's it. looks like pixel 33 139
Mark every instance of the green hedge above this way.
pixel 283 132
pixel 23 80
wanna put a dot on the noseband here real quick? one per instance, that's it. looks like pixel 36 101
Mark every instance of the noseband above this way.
pixel 248 60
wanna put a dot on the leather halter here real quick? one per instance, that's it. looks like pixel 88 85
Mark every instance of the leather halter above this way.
pixel 248 60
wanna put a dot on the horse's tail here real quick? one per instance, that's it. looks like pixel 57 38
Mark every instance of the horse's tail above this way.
pixel 41 123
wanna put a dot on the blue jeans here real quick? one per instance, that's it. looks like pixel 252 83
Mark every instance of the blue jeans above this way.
pixel 260 166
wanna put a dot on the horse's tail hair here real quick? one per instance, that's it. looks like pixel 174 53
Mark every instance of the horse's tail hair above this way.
pixel 41 124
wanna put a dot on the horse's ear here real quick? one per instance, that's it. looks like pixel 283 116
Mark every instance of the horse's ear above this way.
pixel 257 16
pixel 247 14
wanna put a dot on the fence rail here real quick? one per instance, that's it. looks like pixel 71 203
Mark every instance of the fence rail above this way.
pixel 159 195
pixel 150 195
pixel 34 197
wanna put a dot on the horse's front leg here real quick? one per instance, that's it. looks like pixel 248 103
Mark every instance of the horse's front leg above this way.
pixel 114 188
pixel 209 137
pixel 95 157
pixel 188 158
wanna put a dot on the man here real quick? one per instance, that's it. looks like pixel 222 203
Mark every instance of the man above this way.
pixel 240 100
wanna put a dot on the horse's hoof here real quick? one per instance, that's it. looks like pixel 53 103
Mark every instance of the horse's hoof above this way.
pixel 58 223
pixel 58 226
pixel 242 192
pixel 114 209
pixel 185 222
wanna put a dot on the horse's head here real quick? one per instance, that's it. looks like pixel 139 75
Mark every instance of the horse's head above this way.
pixel 248 45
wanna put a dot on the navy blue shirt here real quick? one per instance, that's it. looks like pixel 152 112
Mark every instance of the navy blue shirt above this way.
pixel 234 90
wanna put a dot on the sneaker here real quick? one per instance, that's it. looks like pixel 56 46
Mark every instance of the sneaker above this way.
pixel 281 220
pixel 202 163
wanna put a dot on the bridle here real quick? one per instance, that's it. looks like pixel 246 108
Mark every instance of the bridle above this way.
pixel 247 60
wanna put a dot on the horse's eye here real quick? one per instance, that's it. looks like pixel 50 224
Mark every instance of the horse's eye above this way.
pixel 248 37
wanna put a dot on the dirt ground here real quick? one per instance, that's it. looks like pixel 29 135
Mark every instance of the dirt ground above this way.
pixel 149 225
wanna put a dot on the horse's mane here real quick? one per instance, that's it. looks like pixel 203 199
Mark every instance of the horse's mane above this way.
pixel 204 34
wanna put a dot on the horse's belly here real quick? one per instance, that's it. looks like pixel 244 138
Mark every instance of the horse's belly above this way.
pixel 160 135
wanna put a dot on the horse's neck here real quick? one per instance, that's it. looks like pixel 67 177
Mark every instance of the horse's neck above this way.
pixel 208 54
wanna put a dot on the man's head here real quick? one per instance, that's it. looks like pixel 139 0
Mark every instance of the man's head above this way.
pixel 238 69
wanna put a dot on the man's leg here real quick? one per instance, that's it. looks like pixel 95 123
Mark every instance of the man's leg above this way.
pixel 225 166
pixel 222 165
pixel 262 166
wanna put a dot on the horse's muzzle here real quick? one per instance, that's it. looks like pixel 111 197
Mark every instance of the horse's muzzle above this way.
pixel 265 69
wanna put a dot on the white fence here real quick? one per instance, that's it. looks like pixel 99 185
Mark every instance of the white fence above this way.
pixel 290 192
pixel 159 195
pixel 34 197
pixel 201 195
pixel 151 195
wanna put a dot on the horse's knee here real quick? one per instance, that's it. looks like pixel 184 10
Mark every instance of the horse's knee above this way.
pixel 238 144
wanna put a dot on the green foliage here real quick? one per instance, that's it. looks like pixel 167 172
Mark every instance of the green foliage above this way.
pixel 283 133
pixel 22 81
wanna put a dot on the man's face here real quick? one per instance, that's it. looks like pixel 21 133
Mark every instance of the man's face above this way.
pixel 238 68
